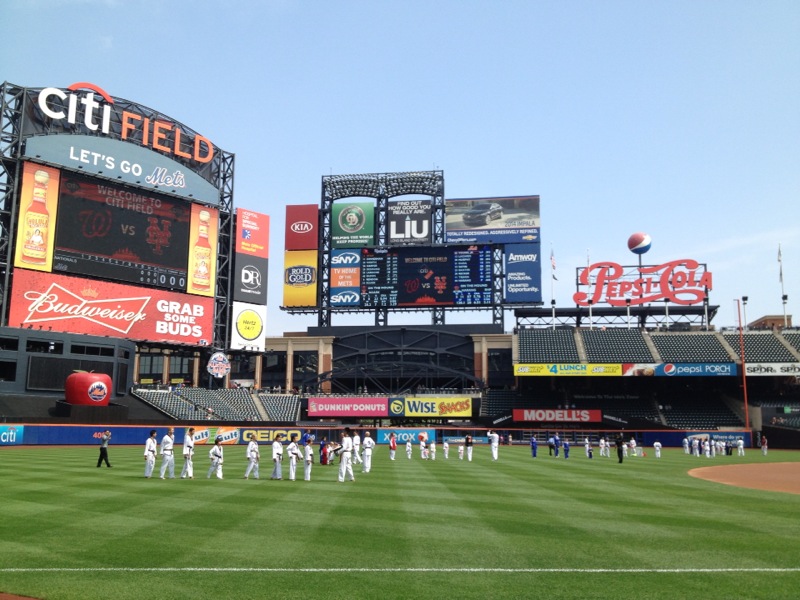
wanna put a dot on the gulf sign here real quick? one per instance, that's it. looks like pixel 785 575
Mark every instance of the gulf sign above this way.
pixel 90 109
pixel 348 407
pixel 90 307
pixel 300 278
pixel 568 370
pixel 302 227
pixel 430 407
pixel 552 415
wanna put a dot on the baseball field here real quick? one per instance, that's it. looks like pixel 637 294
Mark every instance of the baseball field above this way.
pixel 515 528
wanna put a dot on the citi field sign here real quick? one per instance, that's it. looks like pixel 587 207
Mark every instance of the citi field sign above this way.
pixel 88 106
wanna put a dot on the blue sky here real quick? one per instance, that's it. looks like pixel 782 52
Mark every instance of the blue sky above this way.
pixel 677 118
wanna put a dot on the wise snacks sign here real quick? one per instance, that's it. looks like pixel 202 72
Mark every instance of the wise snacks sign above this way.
pixel 77 305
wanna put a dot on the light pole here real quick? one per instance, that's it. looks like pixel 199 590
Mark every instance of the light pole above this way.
pixel 744 311
pixel 628 308
pixel 744 366
pixel 785 299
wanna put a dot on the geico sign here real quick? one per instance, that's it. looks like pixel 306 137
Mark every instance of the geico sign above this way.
pixel 268 435
pixel 157 134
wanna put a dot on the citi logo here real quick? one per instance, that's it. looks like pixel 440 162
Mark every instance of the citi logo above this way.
pixel 302 227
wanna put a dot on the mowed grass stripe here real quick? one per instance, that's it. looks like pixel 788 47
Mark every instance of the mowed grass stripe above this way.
pixel 481 529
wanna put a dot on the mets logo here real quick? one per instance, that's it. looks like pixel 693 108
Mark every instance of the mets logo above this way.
pixel 97 391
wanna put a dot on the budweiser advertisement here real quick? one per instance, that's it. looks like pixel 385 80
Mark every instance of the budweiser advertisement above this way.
pixel 77 305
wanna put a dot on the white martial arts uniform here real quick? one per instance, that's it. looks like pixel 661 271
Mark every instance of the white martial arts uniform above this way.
pixel 357 449
pixel 309 461
pixel 150 449
pixel 216 454
pixel 494 442
pixel 345 460
pixel 167 456
pixel 253 456
pixel 188 453
pixel 295 454
pixel 277 457
pixel 368 444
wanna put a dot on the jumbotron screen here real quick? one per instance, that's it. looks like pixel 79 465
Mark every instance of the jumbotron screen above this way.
pixel 118 233
pixel 430 276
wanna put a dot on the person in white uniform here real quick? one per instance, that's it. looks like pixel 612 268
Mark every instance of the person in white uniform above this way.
pixel 277 457
pixel 494 443
pixel 167 454
pixel 657 448
pixel 686 446
pixel 446 449
pixel 253 457
pixel 309 460
pixel 216 455
pixel 602 445
pixel 369 446
pixel 740 447
pixel 188 453
pixel 432 450
pixel 295 454
pixel 357 449
pixel 346 457
pixel 468 444
pixel 409 449
pixel 150 449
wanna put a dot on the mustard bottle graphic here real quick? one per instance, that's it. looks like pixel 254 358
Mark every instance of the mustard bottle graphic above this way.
pixel 36 222
pixel 201 254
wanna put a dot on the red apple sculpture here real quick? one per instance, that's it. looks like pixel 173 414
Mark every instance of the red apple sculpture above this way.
pixel 92 389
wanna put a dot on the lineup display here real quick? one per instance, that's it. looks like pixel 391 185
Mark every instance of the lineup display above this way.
pixel 122 234
pixel 432 276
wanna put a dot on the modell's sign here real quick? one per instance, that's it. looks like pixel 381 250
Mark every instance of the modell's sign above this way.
pixel 75 305
pixel 91 109
pixel 550 415
pixel 682 281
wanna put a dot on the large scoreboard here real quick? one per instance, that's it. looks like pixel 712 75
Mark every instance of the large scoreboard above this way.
pixel 430 276
pixel 113 232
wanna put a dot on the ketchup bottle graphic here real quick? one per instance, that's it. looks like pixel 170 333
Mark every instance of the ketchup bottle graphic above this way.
pixel 36 222
pixel 201 254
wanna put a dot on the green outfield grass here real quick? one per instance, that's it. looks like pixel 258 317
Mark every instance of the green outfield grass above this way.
pixel 516 528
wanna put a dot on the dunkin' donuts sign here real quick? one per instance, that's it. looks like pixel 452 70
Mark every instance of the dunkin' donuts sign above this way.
pixel 683 281
pixel 76 305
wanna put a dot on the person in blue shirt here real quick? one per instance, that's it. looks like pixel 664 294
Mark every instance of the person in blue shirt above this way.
pixel 533 446
pixel 556 444
pixel 566 448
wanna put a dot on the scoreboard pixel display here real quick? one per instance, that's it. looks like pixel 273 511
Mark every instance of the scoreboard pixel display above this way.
pixel 430 276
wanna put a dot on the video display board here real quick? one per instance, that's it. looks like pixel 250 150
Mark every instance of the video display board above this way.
pixel 434 276
pixel 113 232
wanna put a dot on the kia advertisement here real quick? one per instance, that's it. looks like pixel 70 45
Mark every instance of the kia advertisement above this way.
pixel 90 307
pixel 302 227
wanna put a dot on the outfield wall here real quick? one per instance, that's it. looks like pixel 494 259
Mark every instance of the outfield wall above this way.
pixel 66 435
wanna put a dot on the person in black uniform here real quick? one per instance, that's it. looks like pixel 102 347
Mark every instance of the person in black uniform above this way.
pixel 619 443
pixel 106 437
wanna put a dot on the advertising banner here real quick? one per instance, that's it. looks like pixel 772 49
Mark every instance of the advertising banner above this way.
pixel 348 407
pixel 207 435
pixel 552 415
pixel 345 277
pixel 36 228
pixel 77 305
pixel 121 161
pixel 352 224
pixel 679 369
pixel 404 435
pixel 300 278
pixel 571 370
pixel 410 222
pixel 12 435
pixel 203 251
pixel 510 220
pixel 523 269
pixel 249 323
pixel 251 258
pixel 430 407
pixel 302 227
pixel 772 369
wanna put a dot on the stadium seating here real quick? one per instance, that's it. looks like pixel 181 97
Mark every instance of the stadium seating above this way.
pixel 761 346
pixel 547 346
pixel 793 337
pixel 615 345
pixel 699 412
pixel 280 407
pixel 690 348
